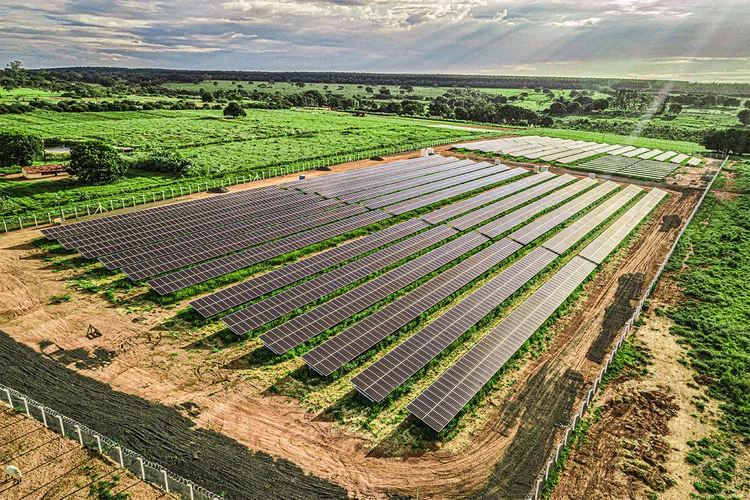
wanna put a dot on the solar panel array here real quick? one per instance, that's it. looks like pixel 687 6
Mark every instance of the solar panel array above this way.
pixel 212 248
pixel 572 234
pixel 362 336
pixel 457 168
pixel 260 313
pixel 564 151
pixel 540 226
pixel 241 293
pixel 482 170
pixel 437 196
pixel 507 222
pixel 491 196
pixel 316 321
pixel 630 167
pixel 445 398
pixel 601 247
pixel 471 219
pixel 397 366
pixel 240 260
pixel 159 213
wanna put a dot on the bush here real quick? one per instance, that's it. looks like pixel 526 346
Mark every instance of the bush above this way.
pixel 170 162
pixel 20 149
pixel 234 109
pixel 96 162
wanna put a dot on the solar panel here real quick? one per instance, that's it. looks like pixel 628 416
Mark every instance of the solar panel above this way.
pixel 679 158
pixel 276 306
pixel 507 222
pixel 650 154
pixel 398 365
pixel 382 201
pixel 258 230
pixel 145 232
pixel 600 248
pixel 664 156
pixel 314 322
pixel 349 188
pixel 159 213
pixel 540 226
pixel 209 250
pixel 419 181
pixel 471 219
pixel 694 162
pixel 635 152
pixel 580 156
pixel 236 295
pixel 621 150
pixel 493 195
pixel 367 333
pixel 572 234
pixel 445 398
pixel 451 192
pixel 240 260
pixel 561 154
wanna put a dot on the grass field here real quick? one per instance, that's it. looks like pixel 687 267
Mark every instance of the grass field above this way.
pixel 261 140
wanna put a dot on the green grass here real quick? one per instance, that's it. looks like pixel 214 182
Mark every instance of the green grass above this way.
pixel 263 140
pixel 712 321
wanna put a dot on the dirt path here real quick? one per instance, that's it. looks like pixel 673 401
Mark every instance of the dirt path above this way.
pixel 175 370
pixel 57 468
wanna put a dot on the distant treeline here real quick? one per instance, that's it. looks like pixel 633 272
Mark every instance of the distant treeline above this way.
pixel 144 76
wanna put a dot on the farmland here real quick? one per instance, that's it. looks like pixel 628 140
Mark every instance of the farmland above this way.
pixel 262 140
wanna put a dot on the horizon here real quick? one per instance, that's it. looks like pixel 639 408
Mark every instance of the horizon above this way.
pixel 629 39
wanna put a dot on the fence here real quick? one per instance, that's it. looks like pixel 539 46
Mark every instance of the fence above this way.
pixel 128 200
pixel 625 331
pixel 125 458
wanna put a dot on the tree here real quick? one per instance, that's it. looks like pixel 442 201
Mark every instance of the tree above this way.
pixel 600 104
pixel 207 97
pixel 731 140
pixel 234 109
pixel 20 149
pixel 675 109
pixel 557 108
pixel 744 116
pixel 96 162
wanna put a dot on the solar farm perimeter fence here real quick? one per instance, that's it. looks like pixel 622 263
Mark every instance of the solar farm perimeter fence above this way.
pixel 75 211
pixel 143 468
pixel 544 475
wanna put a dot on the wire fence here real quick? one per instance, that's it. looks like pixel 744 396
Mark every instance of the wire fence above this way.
pixel 544 475
pixel 143 468
pixel 61 214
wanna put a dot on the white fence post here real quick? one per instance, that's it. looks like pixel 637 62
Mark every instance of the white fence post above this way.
pixel 10 400
pixel 166 480
pixel 98 443
pixel 122 461
pixel 143 470
pixel 62 427
pixel 26 406
pixel 80 436
pixel 44 417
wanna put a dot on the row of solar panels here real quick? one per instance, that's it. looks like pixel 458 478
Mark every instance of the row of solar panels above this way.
pixel 202 239
pixel 567 151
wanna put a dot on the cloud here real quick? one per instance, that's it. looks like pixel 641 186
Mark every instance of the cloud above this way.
pixel 613 37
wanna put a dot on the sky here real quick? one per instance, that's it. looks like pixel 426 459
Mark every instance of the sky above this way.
pixel 673 39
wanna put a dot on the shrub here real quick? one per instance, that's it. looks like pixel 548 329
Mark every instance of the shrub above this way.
pixel 234 109
pixel 166 161
pixel 20 149
pixel 96 162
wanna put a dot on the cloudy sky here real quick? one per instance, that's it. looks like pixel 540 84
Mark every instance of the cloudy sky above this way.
pixel 682 39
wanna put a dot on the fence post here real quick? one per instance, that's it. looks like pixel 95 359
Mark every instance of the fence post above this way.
pixel 166 480
pixel 44 417
pixel 122 461
pixel 98 443
pixel 20 223
pixel 190 487
pixel 111 205
pixel 36 223
pixel 143 470
pixel 88 210
pixel 133 200
pixel 62 427
pixel 80 437
pixel 5 226
pixel 75 211
pixel 26 407
pixel 49 216
pixel 10 400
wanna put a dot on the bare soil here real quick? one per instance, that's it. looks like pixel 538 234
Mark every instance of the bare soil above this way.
pixel 208 381
pixel 55 468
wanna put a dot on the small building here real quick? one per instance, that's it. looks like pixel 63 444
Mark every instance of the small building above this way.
pixel 39 171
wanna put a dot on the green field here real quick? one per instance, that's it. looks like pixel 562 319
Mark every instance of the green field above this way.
pixel 262 140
